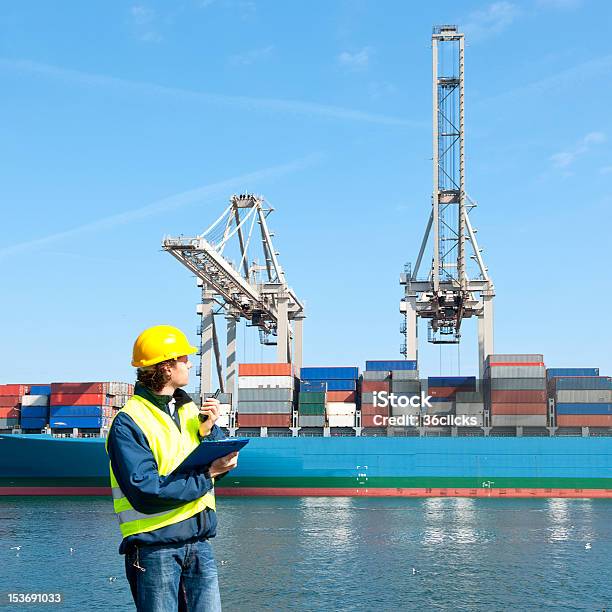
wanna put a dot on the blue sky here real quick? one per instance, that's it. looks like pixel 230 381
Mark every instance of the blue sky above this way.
pixel 127 121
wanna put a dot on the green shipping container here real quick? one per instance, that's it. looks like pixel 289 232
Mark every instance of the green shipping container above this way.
pixel 312 398
pixel 312 409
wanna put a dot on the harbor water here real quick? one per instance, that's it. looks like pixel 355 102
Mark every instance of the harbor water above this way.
pixel 334 553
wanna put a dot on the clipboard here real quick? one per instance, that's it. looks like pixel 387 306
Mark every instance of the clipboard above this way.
pixel 204 454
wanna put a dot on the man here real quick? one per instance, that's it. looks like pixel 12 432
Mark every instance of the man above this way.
pixel 166 520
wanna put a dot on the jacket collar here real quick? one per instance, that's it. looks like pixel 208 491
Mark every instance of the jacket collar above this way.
pixel 161 401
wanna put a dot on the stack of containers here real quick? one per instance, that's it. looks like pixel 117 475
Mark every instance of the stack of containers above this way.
pixel 328 395
pixel 582 397
pixel 443 391
pixel 225 406
pixel 515 387
pixel 266 394
pixel 399 377
pixel 469 404
pixel 35 407
pixel 311 404
pixel 10 405
pixel 85 405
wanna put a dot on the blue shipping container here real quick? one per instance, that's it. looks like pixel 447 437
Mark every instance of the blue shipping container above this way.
pixel 582 383
pixel 584 408
pixel 35 412
pixel 324 373
pixel 554 372
pixel 33 422
pixel 378 366
pixel 339 385
pixel 312 386
pixel 452 381
pixel 76 411
pixel 40 390
pixel 79 422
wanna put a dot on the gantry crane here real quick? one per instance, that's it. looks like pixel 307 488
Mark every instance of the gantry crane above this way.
pixel 257 293
pixel 447 295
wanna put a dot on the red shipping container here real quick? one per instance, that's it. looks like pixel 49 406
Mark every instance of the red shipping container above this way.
pixel 341 396
pixel 9 401
pixel 264 420
pixel 13 390
pixel 584 420
pixel 518 396
pixel 370 410
pixel 369 386
pixel 444 391
pixel 518 408
pixel 370 420
pixel 265 369
pixel 78 399
pixel 79 387
pixel 9 413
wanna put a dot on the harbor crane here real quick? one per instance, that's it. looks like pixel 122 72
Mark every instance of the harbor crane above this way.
pixel 447 295
pixel 257 293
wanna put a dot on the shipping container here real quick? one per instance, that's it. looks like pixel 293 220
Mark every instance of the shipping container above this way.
pixel 596 408
pixel 33 422
pixel 269 395
pixel 338 408
pixel 469 408
pixel 569 383
pixel 340 384
pixel 338 420
pixel 34 412
pixel 223 420
pixel 264 407
pixel 374 420
pixel 520 408
pixel 255 382
pixel 584 420
pixel 517 372
pixel 519 420
pixel 330 373
pixel 512 384
pixel 305 420
pixel 311 398
pixel 370 409
pixel 79 387
pixel 369 386
pixel 312 386
pixel 476 420
pixel 265 369
pixel 518 396
pixel 401 375
pixel 377 375
pixel 63 412
pixel 8 423
pixel 453 381
pixel 13 390
pixel 439 408
pixel 78 399
pixel 312 409
pixel 9 401
pixel 402 364
pixel 35 400
pixel 553 372
pixel 406 386
pixel 515 358
pixel 442 392
pixel 224 398
pixel 590 396
pixel 341 396
pixel 405 410
pixel 40 390
pixel 264 420
pixel 10 413
pixel 469 397
pixel 79 422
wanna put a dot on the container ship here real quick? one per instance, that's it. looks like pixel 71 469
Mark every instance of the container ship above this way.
pixel 521 431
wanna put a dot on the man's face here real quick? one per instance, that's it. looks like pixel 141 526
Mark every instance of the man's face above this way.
pixel 179 370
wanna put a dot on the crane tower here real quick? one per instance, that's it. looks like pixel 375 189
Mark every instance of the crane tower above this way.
pixel 446 295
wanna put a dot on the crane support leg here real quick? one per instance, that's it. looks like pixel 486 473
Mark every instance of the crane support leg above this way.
pixel 230 371
pixel 205 309
pixel 298 328
pixel 411 329
pixel 283 353
pixel 485 332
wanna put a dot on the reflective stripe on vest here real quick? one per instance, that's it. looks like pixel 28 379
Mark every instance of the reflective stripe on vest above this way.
pixel 169 447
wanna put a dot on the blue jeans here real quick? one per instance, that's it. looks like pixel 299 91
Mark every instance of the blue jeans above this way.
pixel 167 578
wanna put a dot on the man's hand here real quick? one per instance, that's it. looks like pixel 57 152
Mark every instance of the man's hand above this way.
pixel 223 464
pixel 210 408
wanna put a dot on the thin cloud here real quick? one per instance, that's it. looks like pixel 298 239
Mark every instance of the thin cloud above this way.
pixel 606 170
pixel 143 19
pixel 490 21
pixel 243 102
pixel 564 159
pixel 562 5
pixel 251 57
pixel 200 195
pixel 360 60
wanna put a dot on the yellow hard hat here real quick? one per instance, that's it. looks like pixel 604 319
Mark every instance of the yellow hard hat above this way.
pixel 158 344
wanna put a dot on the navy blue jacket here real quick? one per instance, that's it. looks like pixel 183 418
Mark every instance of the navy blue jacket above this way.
pixel 136 471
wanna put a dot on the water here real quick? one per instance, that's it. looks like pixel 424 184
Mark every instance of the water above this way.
pixel 336 553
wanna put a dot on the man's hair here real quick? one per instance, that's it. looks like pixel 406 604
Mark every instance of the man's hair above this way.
pixel 156 376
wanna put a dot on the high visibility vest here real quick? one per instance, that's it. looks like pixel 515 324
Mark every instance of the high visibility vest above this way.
pixel 170 447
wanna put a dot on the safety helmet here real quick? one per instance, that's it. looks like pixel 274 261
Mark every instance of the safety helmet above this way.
pixel 159 343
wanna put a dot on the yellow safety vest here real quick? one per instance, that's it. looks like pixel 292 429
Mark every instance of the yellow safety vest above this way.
pixel 170 446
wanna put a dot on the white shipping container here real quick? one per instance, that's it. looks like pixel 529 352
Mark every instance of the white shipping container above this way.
pixel 35 400
pixel 340 408
pixel 516 358
pixel 404 375
pixel 223 420
pixel 377 375
pixel 469 408
pixel 517 372
pixel 338 420
pixel 518 420
pixel 405 410
pixel 591 396
pixel 255 382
